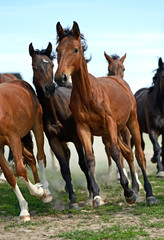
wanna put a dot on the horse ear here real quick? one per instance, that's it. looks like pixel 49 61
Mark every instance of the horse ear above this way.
pixel 59 30
pixel 123 58
pixel 108 58
pixel 31 50
pixel 49 49
pixel 160 63
pixel 75 30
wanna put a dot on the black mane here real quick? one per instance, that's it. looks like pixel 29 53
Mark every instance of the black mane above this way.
pixel 115 57
pixel 42 52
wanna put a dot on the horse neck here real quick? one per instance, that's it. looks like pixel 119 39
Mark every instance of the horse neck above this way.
pixel 44 101
pixel 81 83
pixel 159 96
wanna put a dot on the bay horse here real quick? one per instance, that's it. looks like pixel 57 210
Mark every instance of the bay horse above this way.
pixel 101 107
pixel 20 112
pixel 150 111
pixel 116 68
pixel 59 125
pixel 27 144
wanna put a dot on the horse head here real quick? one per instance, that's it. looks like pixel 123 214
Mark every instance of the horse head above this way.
pixel 43 69
pixel 70 46
pixel 115 65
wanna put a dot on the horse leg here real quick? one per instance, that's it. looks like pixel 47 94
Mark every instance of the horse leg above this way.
pixel 16 147
pixel 107 146
pixel 157 152
pixel 24 212
pixel 162 150
pixel 135 131
pixel 82 165
pixel 41 158
pixel 30 160
pixel 116 155
pixel 57 148
pixel 85 138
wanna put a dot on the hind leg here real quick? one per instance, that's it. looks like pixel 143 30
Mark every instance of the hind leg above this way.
pixel 157 152
pixel 24 213
pixel 39 136
pixel 16 147
pixel 135 131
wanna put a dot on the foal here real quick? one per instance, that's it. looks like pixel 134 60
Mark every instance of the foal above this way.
pixel 100 106
pixel 116 68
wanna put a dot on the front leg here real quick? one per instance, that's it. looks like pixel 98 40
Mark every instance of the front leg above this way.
pixel 156 157
pixel 85 138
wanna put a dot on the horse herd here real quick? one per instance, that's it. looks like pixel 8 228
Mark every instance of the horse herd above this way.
pixel 76 113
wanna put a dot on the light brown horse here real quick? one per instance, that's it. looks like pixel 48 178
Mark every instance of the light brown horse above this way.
pixel 20 112
pixel 101 107
pixel 116 68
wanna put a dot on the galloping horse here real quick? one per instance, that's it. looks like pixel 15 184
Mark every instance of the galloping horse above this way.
pixel 100 106
pixel 27 144
pixel 20 112
pixel 116 68
pixel 58 122
pixel 150 111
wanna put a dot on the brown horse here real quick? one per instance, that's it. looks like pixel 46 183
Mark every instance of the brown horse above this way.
pixel 20 112
pixel 150 113
pixel 100 106
pixel 116 68
pixel 58 122
pixel 27 146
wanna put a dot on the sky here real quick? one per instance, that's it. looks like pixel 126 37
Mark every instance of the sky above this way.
pixel 116 27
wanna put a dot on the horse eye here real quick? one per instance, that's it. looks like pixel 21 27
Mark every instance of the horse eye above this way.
pixel 123 69
pixel 76 50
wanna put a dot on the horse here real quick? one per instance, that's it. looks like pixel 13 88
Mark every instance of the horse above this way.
pixel 59 125
pixel 101 107
pixel 27 144
pixel 150 113
pixel 20 112
pixel 116 68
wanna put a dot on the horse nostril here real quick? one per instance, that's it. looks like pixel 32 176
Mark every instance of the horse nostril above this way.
pixel 64 78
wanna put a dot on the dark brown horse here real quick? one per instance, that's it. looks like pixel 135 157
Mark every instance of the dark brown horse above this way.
pixel 20 112
pixel 58 122
pixel 101 107
pixel 150 111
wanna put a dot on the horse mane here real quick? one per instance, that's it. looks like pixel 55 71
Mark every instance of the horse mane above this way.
pixel 52 56
pixel 155 78
pixel 115 57
pixel 68 33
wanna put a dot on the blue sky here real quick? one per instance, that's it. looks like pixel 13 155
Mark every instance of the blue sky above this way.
pixel 132 27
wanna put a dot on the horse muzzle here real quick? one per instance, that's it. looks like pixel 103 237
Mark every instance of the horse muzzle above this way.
pixel 62 80
pixel 49 90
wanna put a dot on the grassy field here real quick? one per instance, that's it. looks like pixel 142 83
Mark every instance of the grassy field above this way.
pixel 115 220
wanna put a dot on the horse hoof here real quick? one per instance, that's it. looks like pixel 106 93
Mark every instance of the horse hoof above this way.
pixel 97 201
pixel 26 218
pixel 132 199
pixel 160 174
pixel 153 160
pixel 47 199
pixel 151 200
pixel 74 206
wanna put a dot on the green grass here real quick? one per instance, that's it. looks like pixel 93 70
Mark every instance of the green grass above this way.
pixel 114 220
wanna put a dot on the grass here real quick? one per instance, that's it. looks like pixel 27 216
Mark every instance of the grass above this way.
pixel 115 220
